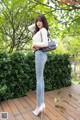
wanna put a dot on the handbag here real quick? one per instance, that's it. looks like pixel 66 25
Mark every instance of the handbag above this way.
pixel 51 44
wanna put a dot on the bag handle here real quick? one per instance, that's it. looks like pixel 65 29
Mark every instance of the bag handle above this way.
pixel 41 36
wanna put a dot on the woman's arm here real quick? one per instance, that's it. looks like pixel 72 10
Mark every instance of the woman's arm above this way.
pixel 32 28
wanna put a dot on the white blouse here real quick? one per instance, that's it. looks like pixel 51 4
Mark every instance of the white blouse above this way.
pixel 37 39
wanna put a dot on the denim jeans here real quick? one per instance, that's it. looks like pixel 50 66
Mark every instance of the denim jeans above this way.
pixel 40 60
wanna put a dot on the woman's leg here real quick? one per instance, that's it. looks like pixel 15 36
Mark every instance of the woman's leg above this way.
pixel 40 60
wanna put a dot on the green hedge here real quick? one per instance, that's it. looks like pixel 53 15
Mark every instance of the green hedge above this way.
pixel 17 73
pixel 57 72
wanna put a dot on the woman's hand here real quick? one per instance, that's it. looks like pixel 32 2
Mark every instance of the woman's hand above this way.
pixel 34 48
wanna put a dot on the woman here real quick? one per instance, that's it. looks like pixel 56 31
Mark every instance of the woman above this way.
pixel 40 40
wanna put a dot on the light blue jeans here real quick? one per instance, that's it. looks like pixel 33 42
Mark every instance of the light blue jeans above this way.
pixel 40 60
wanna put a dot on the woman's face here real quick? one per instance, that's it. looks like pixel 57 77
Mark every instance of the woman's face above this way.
pixel 39 24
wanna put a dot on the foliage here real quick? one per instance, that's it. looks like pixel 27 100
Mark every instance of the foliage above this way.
pixel 14 76
pixel 16 15
pixel 58 71
pixel 17 73
pixel 14 24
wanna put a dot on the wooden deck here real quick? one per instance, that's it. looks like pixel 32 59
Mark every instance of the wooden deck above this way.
pixel 62 104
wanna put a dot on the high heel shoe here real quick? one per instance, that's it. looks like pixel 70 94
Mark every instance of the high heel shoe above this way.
pixel 39 110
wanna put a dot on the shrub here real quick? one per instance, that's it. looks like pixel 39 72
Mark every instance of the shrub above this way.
pixel 17 73
pixel 57 71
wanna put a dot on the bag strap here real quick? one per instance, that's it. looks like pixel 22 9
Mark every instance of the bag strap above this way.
pixel 41 36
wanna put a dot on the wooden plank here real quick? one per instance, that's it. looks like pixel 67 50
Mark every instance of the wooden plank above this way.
pixel 70 90
pixel 63 112
pixel 19 105
pixel 19 117
pixel 22 110
pixel 1 109
pixel 65 94
pixel 14 110
pixel 69 109
pixel 28 109
pixel 69 98
pixel 50 109
pixel 6 108
pixel 32 104
pixel 60 111
pixel 13 107
pixel 76 88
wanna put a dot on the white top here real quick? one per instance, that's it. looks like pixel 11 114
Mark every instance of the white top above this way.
pixel 36 40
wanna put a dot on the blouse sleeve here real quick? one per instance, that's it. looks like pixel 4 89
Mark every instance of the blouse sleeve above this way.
pixel 32 28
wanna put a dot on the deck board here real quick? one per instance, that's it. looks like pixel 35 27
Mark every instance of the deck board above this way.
pixel 66 99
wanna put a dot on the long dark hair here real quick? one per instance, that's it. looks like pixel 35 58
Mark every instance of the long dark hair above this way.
pixel 42 18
